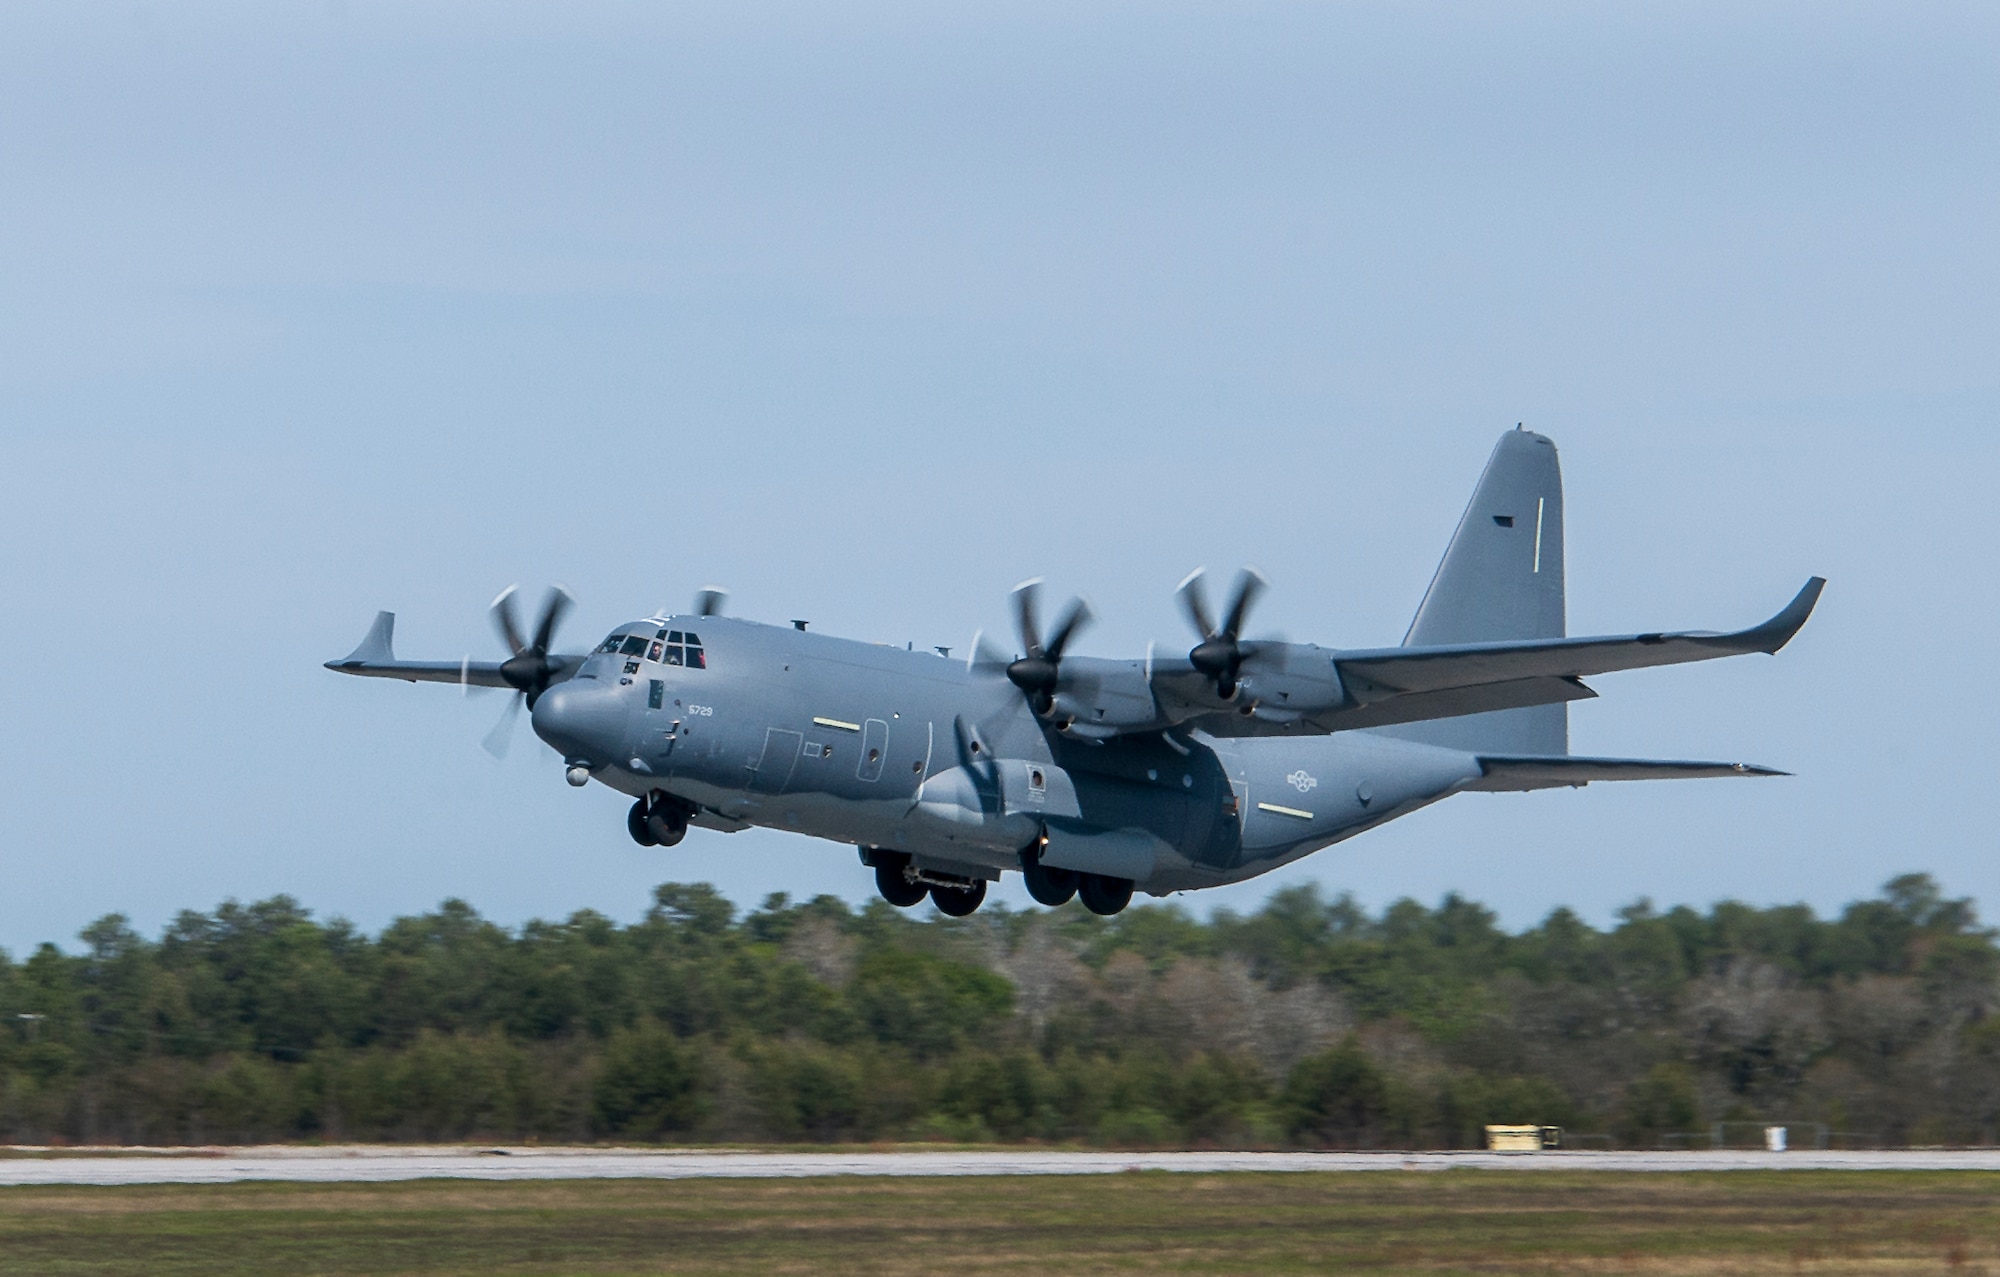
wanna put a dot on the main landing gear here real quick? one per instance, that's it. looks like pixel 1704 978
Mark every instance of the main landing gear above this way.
pixel 1049 885
pixel 658 820
pixel 1053 886
pixel 957 896
pixel 1102 895
pixel 896 885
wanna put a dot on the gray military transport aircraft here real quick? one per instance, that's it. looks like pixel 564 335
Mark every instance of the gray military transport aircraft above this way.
pixel 1095 777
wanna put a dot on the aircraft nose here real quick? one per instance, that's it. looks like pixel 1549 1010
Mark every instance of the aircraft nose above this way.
pixel 581 720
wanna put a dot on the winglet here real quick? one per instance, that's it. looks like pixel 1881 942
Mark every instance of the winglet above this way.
pixel 1778 631
pixel 375 649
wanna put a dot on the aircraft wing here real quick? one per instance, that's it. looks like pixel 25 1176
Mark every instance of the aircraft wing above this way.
pixel 1378 687
pixel 375 658
pixel 1385 674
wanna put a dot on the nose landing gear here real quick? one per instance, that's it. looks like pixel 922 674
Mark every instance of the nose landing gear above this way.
pixel 658 820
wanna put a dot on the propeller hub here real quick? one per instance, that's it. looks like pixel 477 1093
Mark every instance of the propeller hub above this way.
pixel 526 671
pixel 1033 673
pixel 1215 657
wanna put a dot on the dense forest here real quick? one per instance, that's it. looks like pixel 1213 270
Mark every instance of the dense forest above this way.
pixel 1309 1022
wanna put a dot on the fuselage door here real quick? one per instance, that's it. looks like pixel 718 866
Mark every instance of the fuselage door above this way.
pixel 874 749
pixel 774 767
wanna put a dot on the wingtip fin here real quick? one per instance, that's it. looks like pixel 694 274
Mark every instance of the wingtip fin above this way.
pixel 1783 627
pixel 377 648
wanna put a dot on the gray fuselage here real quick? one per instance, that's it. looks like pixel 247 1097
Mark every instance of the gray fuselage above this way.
pixel 882 747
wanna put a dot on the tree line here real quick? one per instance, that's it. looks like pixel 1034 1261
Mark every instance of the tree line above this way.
pixel 1310 1022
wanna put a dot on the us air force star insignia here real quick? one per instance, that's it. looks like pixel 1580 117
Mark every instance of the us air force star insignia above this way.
pixel 1301 781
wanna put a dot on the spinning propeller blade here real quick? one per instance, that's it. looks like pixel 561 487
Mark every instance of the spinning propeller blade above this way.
pixel 502 735
pixel 1039 670
pixel 1220 653
pixel 529 669
pixel 986 656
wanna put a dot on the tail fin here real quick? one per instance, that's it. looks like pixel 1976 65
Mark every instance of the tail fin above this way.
pixel 1501 578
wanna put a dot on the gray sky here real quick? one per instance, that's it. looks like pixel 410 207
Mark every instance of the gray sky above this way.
pixel 868 312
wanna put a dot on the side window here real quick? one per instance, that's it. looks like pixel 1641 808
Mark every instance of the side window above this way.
pixel 634 645
pixel 653 652
pixel 611 644
pixel 656 693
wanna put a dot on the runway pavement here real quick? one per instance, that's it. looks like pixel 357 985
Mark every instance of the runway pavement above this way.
pixel 376 1164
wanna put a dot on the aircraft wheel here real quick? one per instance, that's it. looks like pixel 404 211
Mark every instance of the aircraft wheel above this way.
pixel 957 902
pixel 1102 895
pixel 1049 885
pixel 897 889
pixel 635 824
pixel 667 823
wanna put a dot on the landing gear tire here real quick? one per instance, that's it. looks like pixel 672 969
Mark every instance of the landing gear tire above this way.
pixel 1049 885
pixel 668 821
pixel 957 902
pixel 897 888
pixel 1104 896
pixel 635 824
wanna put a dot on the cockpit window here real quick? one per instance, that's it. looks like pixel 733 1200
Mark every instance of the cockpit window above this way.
pixel 668 647
pixel 684 649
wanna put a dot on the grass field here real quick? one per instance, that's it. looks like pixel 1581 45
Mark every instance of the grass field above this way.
pixel 1455 1221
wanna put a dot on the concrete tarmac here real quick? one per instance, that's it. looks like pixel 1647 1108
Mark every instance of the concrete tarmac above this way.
pixel 379 1164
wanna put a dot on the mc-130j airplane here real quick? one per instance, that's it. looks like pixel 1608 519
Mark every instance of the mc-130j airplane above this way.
pixel 1092 777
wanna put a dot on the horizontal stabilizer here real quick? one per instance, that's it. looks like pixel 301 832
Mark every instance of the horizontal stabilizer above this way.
pixel 1529 771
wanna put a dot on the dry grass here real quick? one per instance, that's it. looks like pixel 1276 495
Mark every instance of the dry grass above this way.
pixel 1451 1222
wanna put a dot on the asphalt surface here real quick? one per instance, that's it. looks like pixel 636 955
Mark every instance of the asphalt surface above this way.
pixel 366 1164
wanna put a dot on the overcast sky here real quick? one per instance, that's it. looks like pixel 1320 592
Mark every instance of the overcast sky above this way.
pixel 869 311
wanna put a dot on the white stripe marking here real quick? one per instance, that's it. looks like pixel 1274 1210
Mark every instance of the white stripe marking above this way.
pixel 1285 811
pixel 1540 503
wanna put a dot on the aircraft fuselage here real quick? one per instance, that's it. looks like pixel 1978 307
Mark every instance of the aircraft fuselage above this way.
pixel 911 752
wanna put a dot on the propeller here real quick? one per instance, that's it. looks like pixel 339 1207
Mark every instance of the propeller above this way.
pixel 1038 671
pixel 1220 653
pixel 709 599
pixel 529 670
pixel 502 735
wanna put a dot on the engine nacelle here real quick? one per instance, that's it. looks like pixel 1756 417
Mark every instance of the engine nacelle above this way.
pixel 1284 682
pixel 1105 698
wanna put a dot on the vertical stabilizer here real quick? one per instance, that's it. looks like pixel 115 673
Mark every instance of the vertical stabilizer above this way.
pixel 1501 578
